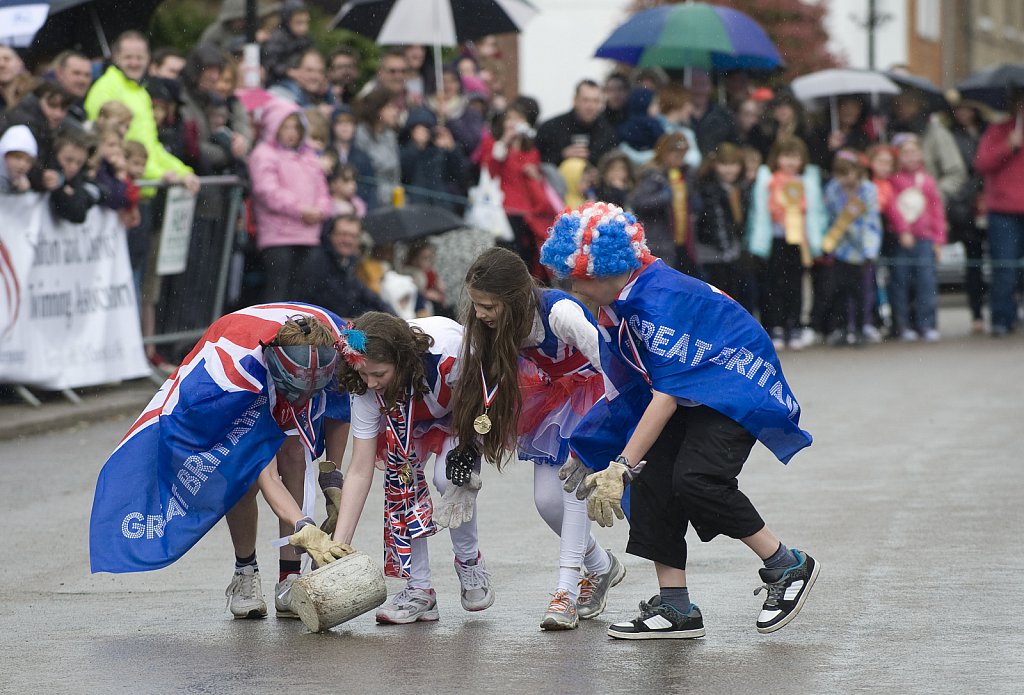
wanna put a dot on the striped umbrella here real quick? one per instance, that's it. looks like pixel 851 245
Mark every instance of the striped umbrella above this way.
pixel 692 35
pixel 432 22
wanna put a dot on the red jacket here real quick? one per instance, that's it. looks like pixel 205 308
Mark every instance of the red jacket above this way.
pixel 523 195
pixel 1002 168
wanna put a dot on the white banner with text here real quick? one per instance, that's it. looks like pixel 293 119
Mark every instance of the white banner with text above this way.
pixel 68 315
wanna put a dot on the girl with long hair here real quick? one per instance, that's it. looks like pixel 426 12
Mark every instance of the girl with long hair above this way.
pixel 401 376
pixel 528 374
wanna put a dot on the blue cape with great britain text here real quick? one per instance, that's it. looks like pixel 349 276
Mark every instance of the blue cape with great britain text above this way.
pixel 672 333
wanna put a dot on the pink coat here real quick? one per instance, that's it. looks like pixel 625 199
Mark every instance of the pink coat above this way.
pixel 284 183
pixel 931 224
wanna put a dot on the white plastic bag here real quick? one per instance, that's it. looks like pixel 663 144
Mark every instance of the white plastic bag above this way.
pixel 486 210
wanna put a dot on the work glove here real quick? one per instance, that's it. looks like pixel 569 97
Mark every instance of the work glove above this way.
pixel 460 464
pixel 331 481
pixel 321 547
pixel 604 490
pixel 573 473
pixel 458 503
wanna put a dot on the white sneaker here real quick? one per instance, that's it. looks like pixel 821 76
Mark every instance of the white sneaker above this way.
pixel 476 584
pixel 778 338
pixel 931 335
pixel 283 598
pixel 409 606
pixel 795 343
pixel 871 334
pixel 908 335
pixel 245 595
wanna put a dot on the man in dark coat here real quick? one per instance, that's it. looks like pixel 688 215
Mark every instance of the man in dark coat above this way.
pixel 329 272
pixel 582 132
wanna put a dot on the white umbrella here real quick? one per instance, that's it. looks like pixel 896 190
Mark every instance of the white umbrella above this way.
pixel 20 20
pixel 835 83
pixel 432 22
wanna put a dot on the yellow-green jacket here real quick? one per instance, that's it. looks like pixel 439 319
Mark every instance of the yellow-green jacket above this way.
pixel 113 85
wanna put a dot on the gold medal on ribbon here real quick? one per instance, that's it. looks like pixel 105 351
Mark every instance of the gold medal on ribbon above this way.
pixel 482 424
pixel 405 474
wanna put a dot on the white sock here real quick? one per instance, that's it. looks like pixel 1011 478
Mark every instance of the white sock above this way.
pixel 569 580
pixel 596 560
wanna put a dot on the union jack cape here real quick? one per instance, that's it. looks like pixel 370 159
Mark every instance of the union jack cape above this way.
pixel 201 443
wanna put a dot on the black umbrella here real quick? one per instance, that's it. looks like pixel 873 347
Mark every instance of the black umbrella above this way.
pixel 388 225
pixel 994 86
pixel 88 26
pixel 934 99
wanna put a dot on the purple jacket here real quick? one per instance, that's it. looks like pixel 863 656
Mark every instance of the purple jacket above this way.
pixel 284 183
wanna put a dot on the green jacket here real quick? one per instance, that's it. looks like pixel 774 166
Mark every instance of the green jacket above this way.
pixel 113 85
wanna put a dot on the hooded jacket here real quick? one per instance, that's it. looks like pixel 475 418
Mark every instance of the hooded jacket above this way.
pixel 284 183
pixel 17 138
pixel 29 113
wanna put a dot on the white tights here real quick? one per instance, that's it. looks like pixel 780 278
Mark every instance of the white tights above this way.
pixel 464 538
pixel 567 516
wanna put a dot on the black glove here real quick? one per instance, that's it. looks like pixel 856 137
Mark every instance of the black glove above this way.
pixel 460 463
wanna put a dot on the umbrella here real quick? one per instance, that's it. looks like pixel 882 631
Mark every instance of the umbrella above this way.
pixel 20 20
pixel 694 35
pixel 388 225
pixel 935 100
pixel 993 86
pixel 69 22
pixel 432 22
pixel 831 84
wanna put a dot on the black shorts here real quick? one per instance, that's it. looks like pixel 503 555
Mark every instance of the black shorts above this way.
pixel 690 478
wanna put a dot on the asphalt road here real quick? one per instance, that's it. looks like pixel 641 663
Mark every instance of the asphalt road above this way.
pixel 910 499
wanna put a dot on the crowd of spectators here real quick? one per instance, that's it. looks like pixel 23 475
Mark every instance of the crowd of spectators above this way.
pixel 735 181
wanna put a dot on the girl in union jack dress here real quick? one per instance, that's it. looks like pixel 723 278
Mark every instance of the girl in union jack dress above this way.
pixel 530 371
pixel 401 379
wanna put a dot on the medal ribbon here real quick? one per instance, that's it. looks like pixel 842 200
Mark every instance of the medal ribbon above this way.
pixel 633 358
pixel 400 427
pixel 488 394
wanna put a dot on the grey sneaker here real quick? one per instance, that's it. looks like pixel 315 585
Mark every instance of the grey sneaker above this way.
pixel 561 614
pixel 594 589
pixel 409 606
pixel 476 584
pixel 283 598
pixel 245 595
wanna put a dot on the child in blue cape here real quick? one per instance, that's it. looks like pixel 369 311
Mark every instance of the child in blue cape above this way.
pixel 692 380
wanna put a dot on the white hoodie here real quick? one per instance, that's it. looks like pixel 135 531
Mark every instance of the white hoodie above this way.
pixel 17 138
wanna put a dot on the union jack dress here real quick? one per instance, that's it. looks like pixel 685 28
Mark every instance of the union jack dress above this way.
pixel 406 439
pixel 558 378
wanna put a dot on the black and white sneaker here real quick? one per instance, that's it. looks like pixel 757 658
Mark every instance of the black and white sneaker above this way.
pixel 787 590
pixel 660 621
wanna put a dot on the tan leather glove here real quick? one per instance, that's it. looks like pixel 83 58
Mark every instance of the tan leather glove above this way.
pixel 605 488
pixel 333 497
pixel 321 547
pixel 331 482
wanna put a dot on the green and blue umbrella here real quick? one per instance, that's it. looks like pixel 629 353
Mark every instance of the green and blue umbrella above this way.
pixel 692 35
